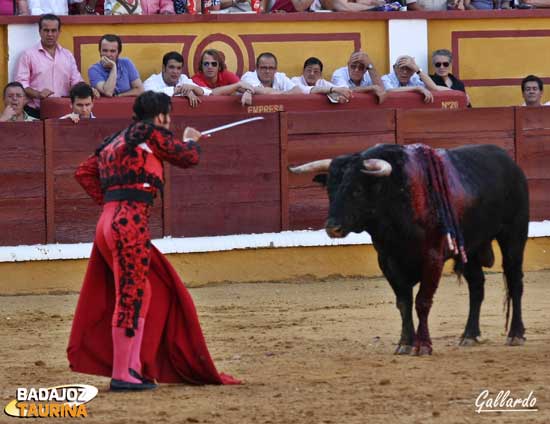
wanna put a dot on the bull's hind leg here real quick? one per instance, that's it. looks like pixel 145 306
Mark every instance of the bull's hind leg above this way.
pixel 512 247
pixel 473 273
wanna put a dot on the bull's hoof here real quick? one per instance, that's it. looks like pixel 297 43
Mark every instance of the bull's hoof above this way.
pixel 470 341
pixel 515 341
pixel 403 350
pixel 422 350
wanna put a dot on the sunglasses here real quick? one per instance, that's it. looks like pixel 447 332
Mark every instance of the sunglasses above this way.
pixel 358 66
pixel 213 64
pixel 440 64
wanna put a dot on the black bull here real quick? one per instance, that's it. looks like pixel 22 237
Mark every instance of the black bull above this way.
pixel 423 206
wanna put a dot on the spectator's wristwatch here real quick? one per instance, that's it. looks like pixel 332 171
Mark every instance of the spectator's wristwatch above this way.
pixel 419 71
pixel 370 66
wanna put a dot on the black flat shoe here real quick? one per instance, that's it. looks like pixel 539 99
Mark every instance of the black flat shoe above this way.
pixel 137 375
pixel 125 386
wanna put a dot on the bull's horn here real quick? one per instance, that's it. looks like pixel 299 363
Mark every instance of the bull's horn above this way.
pixel 376 167
pixel 315 166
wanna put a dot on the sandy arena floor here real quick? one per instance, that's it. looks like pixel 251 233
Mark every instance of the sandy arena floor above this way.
pixel 309 352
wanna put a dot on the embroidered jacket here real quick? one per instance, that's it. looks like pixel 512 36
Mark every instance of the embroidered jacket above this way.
pixel 132 159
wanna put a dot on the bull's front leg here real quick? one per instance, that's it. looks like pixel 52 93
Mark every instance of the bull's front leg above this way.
pixel 404 303
pixel 423 304
pixel 403 289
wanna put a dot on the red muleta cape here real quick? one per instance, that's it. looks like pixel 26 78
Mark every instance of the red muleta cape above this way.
pixel 173 349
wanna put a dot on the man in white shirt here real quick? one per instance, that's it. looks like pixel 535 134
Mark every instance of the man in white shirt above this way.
pixel 57 7
pixel 407 76
pixel 266 80
pixel 173 82
pixel 360 76
pixel 312 81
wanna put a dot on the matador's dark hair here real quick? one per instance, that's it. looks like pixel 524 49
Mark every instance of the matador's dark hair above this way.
pixel 150 104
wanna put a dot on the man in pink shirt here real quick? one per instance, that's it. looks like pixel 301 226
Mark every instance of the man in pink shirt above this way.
pixel 152 7
pixel 46 69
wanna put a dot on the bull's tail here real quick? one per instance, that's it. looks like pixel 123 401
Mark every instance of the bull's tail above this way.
pixel 506 305
pixel 458 269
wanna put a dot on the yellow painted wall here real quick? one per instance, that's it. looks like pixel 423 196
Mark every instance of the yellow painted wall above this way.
pixel 197 269
pixel 505 57
pixel 480 58
pixel 291 55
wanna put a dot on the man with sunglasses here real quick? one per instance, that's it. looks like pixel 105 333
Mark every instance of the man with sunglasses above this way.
pixel 442 60
pixel 213 73
pixel 360 76
pixel 173 82
pixel 266 80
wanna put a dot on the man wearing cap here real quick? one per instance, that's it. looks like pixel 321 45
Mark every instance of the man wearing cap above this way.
pixel 359 75
pixel 407 76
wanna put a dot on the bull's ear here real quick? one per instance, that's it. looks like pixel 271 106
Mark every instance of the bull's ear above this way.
pixel 320 179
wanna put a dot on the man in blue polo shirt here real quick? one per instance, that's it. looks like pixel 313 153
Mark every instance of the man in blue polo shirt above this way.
pixel 114 75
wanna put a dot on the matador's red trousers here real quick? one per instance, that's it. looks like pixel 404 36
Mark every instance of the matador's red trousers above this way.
pixel 123 238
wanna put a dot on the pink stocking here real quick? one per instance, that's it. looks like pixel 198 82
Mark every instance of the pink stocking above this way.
pixel 135 362
pixel 122 349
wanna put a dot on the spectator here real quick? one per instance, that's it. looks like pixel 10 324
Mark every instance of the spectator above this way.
pixel 289 6
pixel 11 7
pixel 429 5
pixel 213 74
pixel 55 7
pixel 126 7
pixel 457 4
pixel 15 99
pixel 82 103
pixel 87 7
pixel 312 81
pixel 173 82
pixel 359 75
pixel 442 60
pixel 153 7
pixel 114 75
pixel 350 5
pixel 46 69
pixel 180 6
pixel 532 89
pixel 233 6
pixel 266 80
pixel 213 71
pixel 531 4
pixel 487 4
pixel 407 76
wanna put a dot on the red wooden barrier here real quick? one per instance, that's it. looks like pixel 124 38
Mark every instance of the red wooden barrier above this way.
pixel 22 197
pixel 236 187
pixel 242 184
pixel 71 214
pixel 446 129
pixel 321 135
pixel 121 107
pixel 533 155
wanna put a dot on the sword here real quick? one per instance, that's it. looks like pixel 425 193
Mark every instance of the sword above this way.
pixel 207 133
